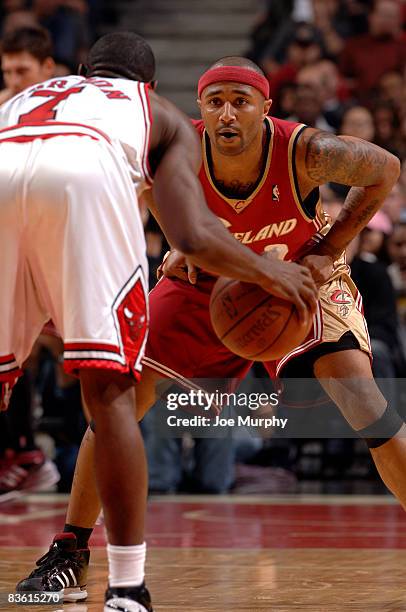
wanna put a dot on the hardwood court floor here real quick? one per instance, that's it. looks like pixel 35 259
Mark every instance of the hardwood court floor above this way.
pixel 317 554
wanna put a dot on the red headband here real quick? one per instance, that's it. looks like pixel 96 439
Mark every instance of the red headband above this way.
pixel 239 74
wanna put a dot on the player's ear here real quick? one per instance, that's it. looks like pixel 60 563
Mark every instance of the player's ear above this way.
pixel 48 66
pixel 83 70
pixel 153 84
pixel 199 103
pixel 267 107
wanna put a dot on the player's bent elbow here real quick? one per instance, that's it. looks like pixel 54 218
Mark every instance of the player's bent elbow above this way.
pixel 393 168
pixel 199 239
pixel 189 243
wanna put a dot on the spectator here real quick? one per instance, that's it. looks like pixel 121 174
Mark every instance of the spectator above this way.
pixel 283 106
pixel 283 59
pixel 397 271
pixel 351 18
pixel 379 304
pixel 332 200
pixel 10 6
pixel 367 57
pixel 402 178
pixel 324 18
pixel 67 24
pixel 373 237
pixel 19 19
pixel 402 143
pixel 299 34
pixel 392 90
pixel 324 77
pixel 204 465
pixel 387 128
pixel 397 254
pixel 23 466
pixel 62 415
pixel 26 59
pixel 308 109
pixel 269 22
pixel 394 204
pixel 358 121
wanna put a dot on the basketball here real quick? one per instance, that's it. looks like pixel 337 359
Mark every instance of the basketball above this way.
pixel 253 323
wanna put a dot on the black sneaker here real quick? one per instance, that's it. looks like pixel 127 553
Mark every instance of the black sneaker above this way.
pixel 128 599
pixel 63 570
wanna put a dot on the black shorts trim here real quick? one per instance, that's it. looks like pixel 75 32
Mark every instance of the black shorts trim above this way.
pixel 303 365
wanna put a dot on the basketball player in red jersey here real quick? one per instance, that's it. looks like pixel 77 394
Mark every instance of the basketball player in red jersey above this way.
pixel 69 164
pixel 261 176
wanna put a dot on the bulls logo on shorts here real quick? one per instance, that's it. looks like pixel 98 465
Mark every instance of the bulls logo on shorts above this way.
pixel 132 315
pixel 343 300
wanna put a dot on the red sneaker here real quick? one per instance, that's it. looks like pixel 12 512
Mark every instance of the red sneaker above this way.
pixel 26 471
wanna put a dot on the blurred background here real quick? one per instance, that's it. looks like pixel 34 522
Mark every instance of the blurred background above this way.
pixel 338 65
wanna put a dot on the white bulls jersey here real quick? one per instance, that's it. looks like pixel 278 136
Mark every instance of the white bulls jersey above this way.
pixel 117 107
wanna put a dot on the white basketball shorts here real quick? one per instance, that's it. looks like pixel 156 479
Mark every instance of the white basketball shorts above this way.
pixel 72 250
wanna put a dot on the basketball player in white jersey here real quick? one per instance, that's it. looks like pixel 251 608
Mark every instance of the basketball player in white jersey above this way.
pixel 72 250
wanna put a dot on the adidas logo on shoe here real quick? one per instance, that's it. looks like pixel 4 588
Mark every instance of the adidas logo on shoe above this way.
pixel 63 569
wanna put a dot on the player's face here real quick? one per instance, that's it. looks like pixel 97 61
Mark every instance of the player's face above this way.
pixel 233 115
pixel 21 70
pixel 397 246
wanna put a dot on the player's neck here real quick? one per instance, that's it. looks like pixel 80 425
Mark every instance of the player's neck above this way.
pixel 246 167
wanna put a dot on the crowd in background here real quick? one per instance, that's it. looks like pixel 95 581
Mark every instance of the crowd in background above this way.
pixel 337 65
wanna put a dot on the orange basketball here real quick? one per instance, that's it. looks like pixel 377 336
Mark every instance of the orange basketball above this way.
pixel 253 323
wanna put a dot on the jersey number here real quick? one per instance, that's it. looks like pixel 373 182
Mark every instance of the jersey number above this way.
pixel 47 110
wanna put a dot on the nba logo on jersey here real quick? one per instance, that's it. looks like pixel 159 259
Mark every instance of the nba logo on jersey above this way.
pixel 275 193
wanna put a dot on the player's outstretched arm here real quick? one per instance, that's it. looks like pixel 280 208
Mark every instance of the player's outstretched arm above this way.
pixel 368 169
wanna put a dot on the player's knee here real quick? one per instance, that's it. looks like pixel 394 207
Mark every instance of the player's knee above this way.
pixel 360 401
pixel 101 388
pixel 382 429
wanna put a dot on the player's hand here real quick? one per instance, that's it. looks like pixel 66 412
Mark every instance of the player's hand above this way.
pixel 176 265
pixel 292 282
pixel 320 266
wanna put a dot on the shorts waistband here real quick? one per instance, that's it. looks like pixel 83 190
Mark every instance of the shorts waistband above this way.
pixel 26 132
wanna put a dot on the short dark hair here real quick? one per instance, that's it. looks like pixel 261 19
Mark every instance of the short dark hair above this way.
pixel 34 40
pixel 124 54
pixel 236 60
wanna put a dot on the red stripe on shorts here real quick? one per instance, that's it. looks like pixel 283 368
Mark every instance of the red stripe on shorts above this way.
pixel 92 346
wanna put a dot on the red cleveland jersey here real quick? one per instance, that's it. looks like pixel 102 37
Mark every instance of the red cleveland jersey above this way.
pixel 273 215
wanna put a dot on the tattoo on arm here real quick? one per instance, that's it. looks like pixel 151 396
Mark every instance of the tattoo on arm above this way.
pixel 365 214
pixel 344 160
pixel 353 208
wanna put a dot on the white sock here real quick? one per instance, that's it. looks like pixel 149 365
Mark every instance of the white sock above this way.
pixel 126 565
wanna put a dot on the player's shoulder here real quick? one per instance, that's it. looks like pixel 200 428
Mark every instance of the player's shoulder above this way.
pixel 285 126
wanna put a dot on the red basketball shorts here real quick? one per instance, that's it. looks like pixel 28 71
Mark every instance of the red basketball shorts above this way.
pixel 182 343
